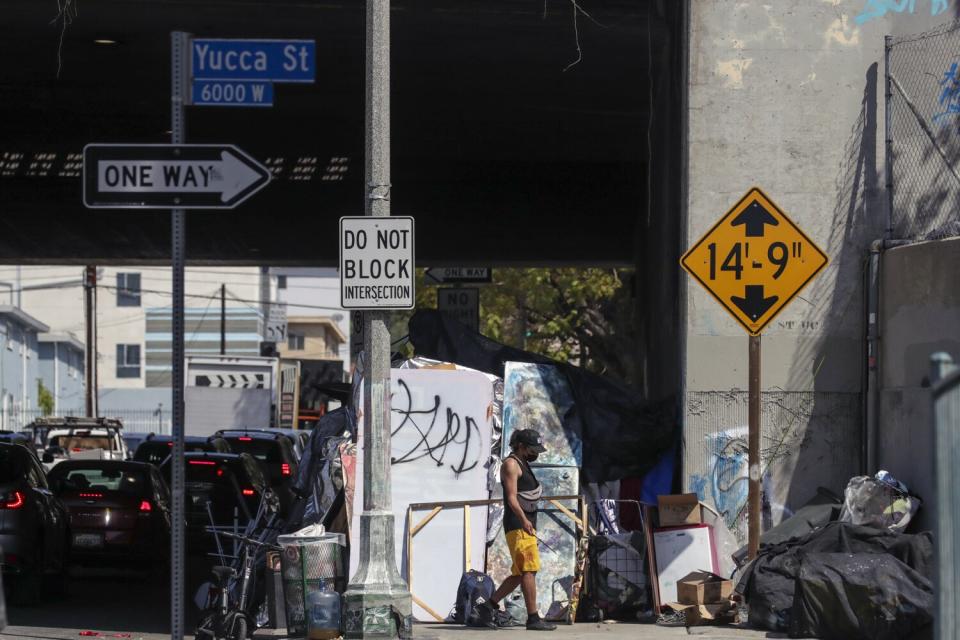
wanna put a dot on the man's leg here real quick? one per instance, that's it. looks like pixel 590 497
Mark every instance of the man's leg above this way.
pixel 506 588
pixel 528 585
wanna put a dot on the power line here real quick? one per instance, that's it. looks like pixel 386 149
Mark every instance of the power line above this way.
pixel 249 302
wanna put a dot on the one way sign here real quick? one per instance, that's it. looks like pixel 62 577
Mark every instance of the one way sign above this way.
pixel 167 176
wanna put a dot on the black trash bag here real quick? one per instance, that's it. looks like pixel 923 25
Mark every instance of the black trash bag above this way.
pixel 860 596
pixel 623 436
pixel 768 583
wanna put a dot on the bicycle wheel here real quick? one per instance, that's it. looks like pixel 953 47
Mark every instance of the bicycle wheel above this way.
pixel 207 627
pixel 239 628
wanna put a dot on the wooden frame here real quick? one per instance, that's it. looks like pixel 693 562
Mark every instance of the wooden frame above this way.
pixel 436 507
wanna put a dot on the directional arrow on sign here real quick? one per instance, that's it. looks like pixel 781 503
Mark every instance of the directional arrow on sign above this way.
pixel 442 275
pixel 754 303
pixel 754 217
pixel 169 176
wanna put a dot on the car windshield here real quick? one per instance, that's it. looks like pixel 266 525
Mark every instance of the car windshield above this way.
pixel 12 464
pixel 82 443
pixel 262 449
pixel 131 481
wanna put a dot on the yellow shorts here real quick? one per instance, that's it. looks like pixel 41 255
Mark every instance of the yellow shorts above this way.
pixel 524 551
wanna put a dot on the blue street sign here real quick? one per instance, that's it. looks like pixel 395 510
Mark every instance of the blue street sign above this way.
pixel 264 60
pixel 231 93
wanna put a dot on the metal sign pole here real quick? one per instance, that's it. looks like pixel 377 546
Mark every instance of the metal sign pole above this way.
pixel 179 71
pixel 753 496
pixel 377 585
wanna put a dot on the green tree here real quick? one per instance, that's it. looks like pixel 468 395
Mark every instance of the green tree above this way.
pixel 585 316
pixel 44 398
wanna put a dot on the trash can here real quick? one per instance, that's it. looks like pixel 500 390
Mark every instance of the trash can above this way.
pixel 306 563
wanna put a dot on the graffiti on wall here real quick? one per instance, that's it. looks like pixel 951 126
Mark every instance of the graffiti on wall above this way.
pixel 878 8
pixel 725 482
pixel 949 100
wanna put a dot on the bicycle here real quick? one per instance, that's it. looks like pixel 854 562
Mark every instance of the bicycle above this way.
pixel 226 617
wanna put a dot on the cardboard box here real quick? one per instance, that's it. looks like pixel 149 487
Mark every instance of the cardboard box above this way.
pixel 678 510
pixel 703 614
pixel 703 587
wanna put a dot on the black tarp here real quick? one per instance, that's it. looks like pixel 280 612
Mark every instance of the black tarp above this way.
pixel 824 507
pixel 623 436
pixel 860 596
pixel 769 583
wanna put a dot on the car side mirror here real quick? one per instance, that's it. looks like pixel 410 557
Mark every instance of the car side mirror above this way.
pixel 47 457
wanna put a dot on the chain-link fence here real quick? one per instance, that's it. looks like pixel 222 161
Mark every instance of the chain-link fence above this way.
pixel 134 420
pixel 923 129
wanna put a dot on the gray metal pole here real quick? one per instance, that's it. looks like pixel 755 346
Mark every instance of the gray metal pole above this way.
pixel 377 585
pixel 179 72
pixel 888 134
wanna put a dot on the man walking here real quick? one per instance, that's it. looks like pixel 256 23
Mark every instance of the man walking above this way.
pixel 521 493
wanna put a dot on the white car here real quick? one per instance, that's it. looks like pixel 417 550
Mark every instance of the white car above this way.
pixel 96 440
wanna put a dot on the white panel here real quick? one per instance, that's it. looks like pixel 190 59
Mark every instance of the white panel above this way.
pixel 442 427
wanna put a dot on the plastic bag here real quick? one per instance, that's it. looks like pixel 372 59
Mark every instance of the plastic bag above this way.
pixel 878 503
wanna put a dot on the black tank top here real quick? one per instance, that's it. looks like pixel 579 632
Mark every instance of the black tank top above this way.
pixel 526 482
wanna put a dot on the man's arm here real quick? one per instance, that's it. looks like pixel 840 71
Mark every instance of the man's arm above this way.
pixel 509 473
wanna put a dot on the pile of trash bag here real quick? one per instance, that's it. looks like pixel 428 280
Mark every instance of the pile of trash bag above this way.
pixel 843 581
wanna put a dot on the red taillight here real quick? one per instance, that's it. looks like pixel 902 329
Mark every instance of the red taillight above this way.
pixel 76 450
pixel 169 444
pixel 208 463
pixel 219 472
pixel 145 506
pixel 91 495
pixel 249 492
pixel 13 500
pixel 245 439
pixel 285 469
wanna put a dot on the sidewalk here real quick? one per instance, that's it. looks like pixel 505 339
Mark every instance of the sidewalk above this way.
pixel 587 631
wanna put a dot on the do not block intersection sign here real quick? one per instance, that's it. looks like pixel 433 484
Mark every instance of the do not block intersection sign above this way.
pixel 377 262
pixel 754 261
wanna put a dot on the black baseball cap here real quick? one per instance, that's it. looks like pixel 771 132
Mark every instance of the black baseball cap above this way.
pixel 529 437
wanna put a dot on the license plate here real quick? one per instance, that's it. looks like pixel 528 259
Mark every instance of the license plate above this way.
pixel 88 540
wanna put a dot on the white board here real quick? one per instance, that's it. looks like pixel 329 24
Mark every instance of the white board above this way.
pixel 442 423
pixel 680 551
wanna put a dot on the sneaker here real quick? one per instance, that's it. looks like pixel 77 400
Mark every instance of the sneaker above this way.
pixel 540 625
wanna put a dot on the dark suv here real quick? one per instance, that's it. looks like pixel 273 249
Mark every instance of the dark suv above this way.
pixel 33 525
pixel 224 486
pixel 155 449
pixel 272 449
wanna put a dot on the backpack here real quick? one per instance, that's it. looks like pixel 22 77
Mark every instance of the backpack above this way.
pixel 475 588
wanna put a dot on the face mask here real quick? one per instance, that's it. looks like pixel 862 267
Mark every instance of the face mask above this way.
pixel 532 456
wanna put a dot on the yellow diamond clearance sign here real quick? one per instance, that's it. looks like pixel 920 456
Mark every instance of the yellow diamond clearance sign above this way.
pixel 754 261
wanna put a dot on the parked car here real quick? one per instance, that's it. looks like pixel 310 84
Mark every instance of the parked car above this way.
pixel 133 440
pixel 220 489
pixel 272 449
pixel 119 510
pixel 155 449
pixel 34 526
pixel 68 437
